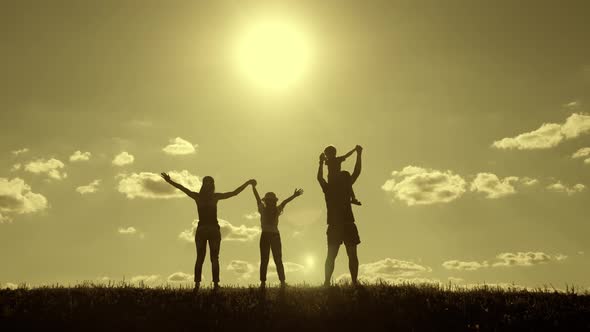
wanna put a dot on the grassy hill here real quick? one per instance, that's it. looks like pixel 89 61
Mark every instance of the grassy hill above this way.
pixel 298 308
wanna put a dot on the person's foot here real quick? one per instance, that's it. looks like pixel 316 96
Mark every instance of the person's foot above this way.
pixel 327 283
pixel 355 201
pixel 262 285
pixel 216 286
pixel 197 286
pixel 283 284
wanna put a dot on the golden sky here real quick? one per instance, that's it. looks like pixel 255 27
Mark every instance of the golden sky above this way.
pixel 473 118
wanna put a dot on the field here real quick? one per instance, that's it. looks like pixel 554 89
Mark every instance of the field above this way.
pixel 298 308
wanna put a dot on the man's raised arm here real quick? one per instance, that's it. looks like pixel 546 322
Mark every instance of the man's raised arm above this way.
pixel 320 177
pixel 358 164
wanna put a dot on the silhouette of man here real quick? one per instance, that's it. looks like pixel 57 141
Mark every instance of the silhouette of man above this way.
pixel 208 226
pixel 341 223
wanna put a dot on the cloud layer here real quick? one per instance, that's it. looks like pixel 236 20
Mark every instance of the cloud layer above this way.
pixel 16 197
pixel 505 259
pixel 53 168
pixel 80 156
pixel 90 188
pixel 152 186
pixel 492 186
pixel 179 146
pixel 123 158
pixel 561 188
pixel 420 186
pixel 241 268
pixel 548 135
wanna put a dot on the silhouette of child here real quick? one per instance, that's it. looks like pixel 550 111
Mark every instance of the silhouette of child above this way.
pixel 334 164
pixel 270 238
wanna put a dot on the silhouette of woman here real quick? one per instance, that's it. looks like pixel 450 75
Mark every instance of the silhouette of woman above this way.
pixel 208 226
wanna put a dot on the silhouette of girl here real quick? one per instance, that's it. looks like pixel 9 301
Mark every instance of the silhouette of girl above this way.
pixel 208 226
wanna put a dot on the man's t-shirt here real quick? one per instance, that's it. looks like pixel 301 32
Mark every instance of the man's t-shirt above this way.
pixel 337 203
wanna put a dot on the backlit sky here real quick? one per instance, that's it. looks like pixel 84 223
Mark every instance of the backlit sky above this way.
pixel 473 117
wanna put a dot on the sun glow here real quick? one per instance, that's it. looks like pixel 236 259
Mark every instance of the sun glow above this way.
pixel 274 54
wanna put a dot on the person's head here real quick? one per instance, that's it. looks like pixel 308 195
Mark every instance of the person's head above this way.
pixel 270 199
pixel 208 186
pixel 330 152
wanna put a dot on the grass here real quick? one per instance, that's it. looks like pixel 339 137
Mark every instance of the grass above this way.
pixel 302 308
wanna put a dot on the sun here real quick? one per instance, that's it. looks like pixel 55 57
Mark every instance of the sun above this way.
pixel 273 54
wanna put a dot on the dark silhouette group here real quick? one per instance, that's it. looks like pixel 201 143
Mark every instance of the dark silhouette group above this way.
pixel 339 197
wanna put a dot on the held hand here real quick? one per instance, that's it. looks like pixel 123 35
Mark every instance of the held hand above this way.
pixel 322 157
pixel 252 182
pixel 298 192
pixel 359 149
pixel 165 176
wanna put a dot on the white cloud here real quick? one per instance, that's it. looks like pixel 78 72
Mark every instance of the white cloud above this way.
pixel 145 279
pixel 548 135
pixel 391 270
pixel 289 267
pixel 179 146
pixel 464 266
pixel 20 151
pixel 526 258
pixel 419 186
pixel 560 187
pixel 16 167
pixel 90 188
pixel 180 277
pixel 123 158
pixel 241 268
pixel 252 216
pixel 151 185
pixel 80 156
pixel 345 278
pixel 16 197
pixel 529 181
pixel 52 168
pixel 127 231
pixel 583 153
pixel 228 232
pixel 492 186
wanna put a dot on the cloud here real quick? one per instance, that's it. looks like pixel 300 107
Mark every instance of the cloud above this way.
pixel 20 151
pixel 572 105
pixel 123 159
pixel 505 259
pixel 80 156
pixel 179 146
pixel 345 278
pixel 526 258
pixel 152 186
pixel 127 231
pixel 561 188
pixel 16 167
pixel 252 216
pixel 242 269
pixel 548 135
pixel 583 153
pixel 145 279
pixel 289 267
pixel 529 181
pixel 464 266
pixel 52 168
pixel 92 187
pixel 228 231
pixel 391 270
pixel 180 277
pixel 420 186
pixel 16 197
pixel 492 186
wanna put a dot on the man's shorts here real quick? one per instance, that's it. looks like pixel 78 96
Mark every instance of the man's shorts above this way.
pixel 343 233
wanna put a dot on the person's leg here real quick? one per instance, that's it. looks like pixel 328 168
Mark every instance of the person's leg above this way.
pixel 277 255
pixel 330 261
pixel 264 257
pixel 214 247
pixel 353 263
pixel 201 245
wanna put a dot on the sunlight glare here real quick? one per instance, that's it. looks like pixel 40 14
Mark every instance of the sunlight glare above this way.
pixel 273 54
